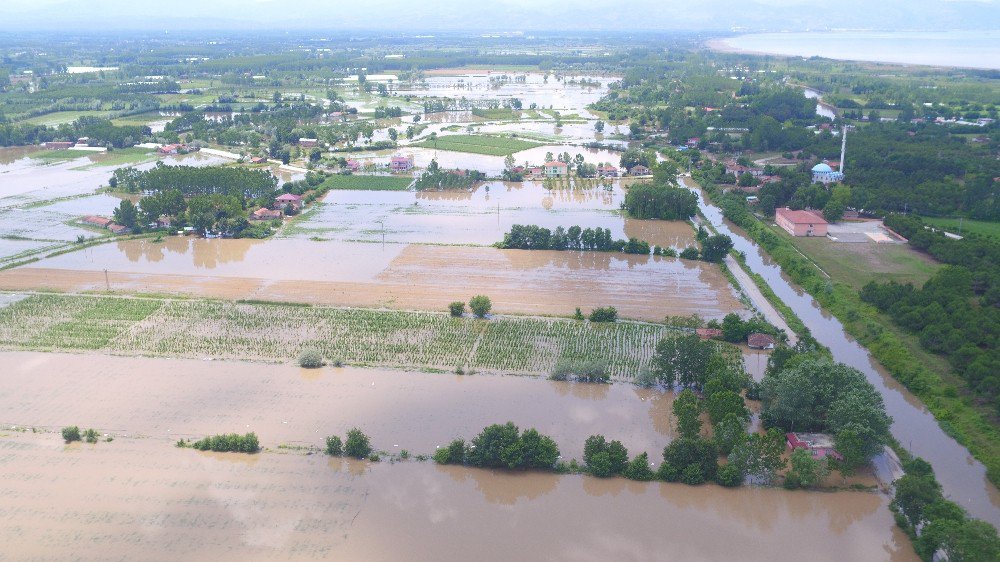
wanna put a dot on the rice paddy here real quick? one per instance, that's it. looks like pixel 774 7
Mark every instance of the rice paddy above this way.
pixel 277 333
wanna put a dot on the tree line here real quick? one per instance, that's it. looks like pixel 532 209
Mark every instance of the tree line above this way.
pixel 534 237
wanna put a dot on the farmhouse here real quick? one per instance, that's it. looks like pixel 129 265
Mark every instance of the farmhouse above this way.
pixel 607 171
pixel 282 201
pixel 555 169
pixel 760 341
pixel 308 143
pixel 265 214
pixel 401 163
pixel 639 170
pixel 800 223
pixel 258 160
pixel 101 222
pixel 118 229
pixel 58 145
pixel 169 149
pixel 819 444
pixel 708 333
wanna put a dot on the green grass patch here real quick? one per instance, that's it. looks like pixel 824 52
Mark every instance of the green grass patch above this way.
pixel 858 263
pixel 61 117
pixel 367 183
pixel 965 226
pixel 55 155
pixel 489 145
pixel 120 157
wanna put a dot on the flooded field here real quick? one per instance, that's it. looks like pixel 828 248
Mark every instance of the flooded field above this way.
pixel 480 216
pixel 140 494
pixel 393 275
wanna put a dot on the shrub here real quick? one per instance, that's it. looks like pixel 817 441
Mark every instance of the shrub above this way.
pixel 689 253
pixel 457 309
pixel 90 436
pixel 604 314
pixel 310 359
pixel 502 446
pixel 357 445
pixel 692 475
pixel 454 453
pixel 729 476
pixel 334 447
pixel 599 465
pixel 71 433
pixel 578 315
pixel 480 305
pixel 638 469
pixel 230 442
pixel 582 370
pixel 667 473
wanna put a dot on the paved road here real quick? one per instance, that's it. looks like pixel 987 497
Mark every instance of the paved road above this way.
pixel 760 302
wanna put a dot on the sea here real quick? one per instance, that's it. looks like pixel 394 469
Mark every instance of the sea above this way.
pixel 968 49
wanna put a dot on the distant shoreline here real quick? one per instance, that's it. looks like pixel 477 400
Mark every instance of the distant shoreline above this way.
pixel 722 45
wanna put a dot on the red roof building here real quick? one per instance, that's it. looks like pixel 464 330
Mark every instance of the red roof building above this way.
pixel 96 221
pixel 282 201
pixel 760 341
pixel 800 223
pixel 401 163
pixel 708 333
pixel 819 444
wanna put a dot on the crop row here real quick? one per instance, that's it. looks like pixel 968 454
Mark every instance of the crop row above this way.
pixel 274 332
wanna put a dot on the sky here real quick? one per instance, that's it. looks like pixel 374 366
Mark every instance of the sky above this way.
pixel 499 15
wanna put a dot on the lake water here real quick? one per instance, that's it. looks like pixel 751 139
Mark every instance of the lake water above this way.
pixel 980 49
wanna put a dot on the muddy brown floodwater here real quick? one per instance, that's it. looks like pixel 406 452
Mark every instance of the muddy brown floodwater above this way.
pixel 140 497
pixel 393 275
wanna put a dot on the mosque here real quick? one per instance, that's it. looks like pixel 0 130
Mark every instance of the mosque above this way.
pixel 823 173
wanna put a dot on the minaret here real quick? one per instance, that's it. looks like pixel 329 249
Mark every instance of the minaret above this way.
pixel 843 147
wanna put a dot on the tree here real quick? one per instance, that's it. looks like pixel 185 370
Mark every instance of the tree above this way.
pixel 726 403
pixel 659 201
pixel 638 469
pixel 310 359
pixel 126 214
pixel 684 452
pixel 687 409
pixel 808 471
pixel 599 126
pixel 357 444
pixel 760 455
pixel 480 305
pixel 456 309
pixel 728 432
pixel 689 253
pixel 494 446
pixel 682 360
pixel 715 248
pixel 913 494
pixel 334 447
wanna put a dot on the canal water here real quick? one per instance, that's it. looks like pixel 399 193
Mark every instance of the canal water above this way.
pixel 962 477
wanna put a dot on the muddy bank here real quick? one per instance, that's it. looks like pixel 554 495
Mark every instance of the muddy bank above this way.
pixel 392 276
pixel 129 498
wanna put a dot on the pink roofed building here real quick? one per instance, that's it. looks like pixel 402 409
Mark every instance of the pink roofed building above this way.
pixel 801 223
pixel 555 169
pixel 283 200
pixel 353 165
pixel 401 163
pixel 819 444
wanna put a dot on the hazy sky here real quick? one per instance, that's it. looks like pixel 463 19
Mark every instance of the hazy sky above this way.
pixel 623 15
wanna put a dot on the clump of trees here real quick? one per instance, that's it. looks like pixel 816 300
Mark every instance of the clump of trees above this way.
pixel 735 329
pixel 659 201
pixel 456 309
pixel 435 177
pixel 71 434
pixel 357 445
pixel 503 446
pixel 241 182
pixel 480 305
pixel 604 314
pixel 581 370
pixel 533 237
pixel 936 524
pixel 603 459
pixel 228 442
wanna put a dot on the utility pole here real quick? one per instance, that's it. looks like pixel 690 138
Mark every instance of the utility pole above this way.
pixel 107 281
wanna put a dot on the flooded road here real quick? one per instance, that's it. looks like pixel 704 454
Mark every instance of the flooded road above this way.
pixel 393 276
pixel 962 477
pixel 139 494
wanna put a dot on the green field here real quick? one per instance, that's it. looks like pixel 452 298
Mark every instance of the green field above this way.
pixel 858 263
pixel 61 154
pixel 120 157
pixel 966 226
pixel 479 144
pixel 276 332
pixel 496 114
pixel 62 117
pixel 367 183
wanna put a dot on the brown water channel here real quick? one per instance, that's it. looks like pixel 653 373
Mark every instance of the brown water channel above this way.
pixel 962 477
pixel 140 497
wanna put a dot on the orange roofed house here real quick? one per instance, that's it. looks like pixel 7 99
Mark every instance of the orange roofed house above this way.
pixel 800 223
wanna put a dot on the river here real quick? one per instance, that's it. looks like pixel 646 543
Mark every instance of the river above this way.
pixel 962 477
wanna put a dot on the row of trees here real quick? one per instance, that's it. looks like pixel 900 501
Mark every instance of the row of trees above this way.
pixel 503 446
pixel 660 201
pixel 245 183
pixel 533 237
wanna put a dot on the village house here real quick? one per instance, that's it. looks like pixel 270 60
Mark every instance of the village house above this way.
pixel 555 169
pixel 800 223
pixel 265 214
pixel 819 444
pixel 57 145
pixel 169 149
pixel 308 143
pixel 353 165
pixel 401 163
pixel 100 222
pixel 607 171
pixel 118 229
pixel 284 200
pixel 639 170
pixel 760 341
pixel 693 142
pixel 536 171
pixel 258 160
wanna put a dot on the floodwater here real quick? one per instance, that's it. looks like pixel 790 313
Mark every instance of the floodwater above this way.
pixel 490 165
pixel 479 216
pixel 140 494
pixel 962 477
pixel 822 109
pixel 391 275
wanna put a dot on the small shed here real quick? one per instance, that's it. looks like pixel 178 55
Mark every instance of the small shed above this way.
pixel 760 341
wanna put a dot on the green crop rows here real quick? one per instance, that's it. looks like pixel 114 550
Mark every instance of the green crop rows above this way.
pixel 275 332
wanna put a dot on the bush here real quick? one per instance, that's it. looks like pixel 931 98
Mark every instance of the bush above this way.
pixel 480 305
pixel 692 475
pixel 230 442
pixel 357 444
pixel 638 469
pixel 599 465
pixel 667 473
pixel 729 476
pixel 604 314
pixel 71 433
pixel 578 315
pixel 454 453
pixel 90 436
pixel 503 446
pixel 581 370
pixel 457 309
pixel 689 253
pixel 334 447
pixel 310 359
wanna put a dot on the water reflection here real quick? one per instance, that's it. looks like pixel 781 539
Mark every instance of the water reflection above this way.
pixel 504 487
